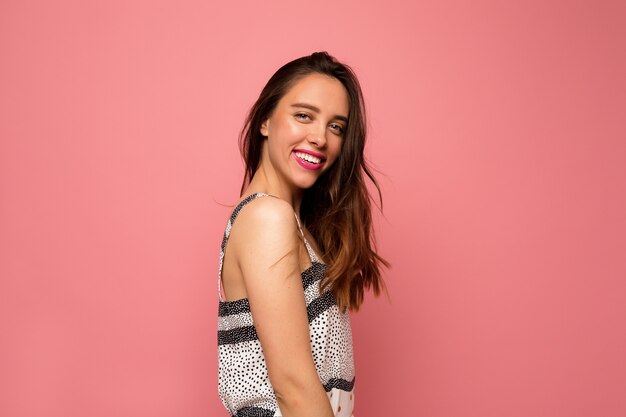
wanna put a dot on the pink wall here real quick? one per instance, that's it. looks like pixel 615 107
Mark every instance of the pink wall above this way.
pixel 500 131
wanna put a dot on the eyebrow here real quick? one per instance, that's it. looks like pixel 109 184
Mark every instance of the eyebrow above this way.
pixel 317 110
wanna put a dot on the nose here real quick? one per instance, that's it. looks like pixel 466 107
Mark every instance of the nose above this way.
pixel 317 136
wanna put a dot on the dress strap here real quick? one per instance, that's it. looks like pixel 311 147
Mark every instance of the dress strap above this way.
pixel 229 226
pixel 309 249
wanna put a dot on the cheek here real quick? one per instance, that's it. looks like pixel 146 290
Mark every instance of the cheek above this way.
pixel 291 127
pixel 282 127
pixel 334 148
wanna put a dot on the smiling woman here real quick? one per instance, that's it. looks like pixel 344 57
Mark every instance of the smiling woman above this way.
pixel 312 138
pixel 293 266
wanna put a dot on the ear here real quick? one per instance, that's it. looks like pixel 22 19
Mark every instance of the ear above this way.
pixel 264 128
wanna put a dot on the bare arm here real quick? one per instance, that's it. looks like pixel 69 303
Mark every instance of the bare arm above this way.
pixel 268 257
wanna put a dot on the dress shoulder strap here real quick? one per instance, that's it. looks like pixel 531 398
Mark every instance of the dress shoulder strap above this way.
pixel 229 226
pixel 309 249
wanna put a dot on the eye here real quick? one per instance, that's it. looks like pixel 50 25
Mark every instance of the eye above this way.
pixel 302 116
pixel 337 128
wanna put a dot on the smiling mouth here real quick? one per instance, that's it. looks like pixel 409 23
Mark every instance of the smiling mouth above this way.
pixel 308 158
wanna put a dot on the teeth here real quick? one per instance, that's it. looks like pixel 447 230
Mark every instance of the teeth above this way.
pixel 309 158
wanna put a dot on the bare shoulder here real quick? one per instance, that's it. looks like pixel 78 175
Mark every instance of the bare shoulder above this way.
pixel 270 216
pixel 265 231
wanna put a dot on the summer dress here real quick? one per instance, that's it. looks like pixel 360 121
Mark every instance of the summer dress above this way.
pixel 243 384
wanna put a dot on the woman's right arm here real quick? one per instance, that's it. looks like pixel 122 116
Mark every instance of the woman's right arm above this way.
pixel 268 255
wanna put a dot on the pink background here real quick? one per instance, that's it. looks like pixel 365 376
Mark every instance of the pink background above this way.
pixel 499 131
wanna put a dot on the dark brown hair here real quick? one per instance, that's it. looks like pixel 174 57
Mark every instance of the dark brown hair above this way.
pixel 336 209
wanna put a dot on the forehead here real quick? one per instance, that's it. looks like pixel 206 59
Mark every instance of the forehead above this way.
pixel 325 92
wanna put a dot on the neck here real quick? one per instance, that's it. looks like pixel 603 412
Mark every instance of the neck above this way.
pixel 266 180
pixel 262 184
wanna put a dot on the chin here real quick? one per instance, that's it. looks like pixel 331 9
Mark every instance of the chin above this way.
pixel 304 184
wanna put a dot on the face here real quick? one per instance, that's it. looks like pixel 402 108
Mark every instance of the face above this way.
pixel 305 131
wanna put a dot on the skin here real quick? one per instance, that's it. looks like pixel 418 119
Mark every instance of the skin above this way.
pixel 265 254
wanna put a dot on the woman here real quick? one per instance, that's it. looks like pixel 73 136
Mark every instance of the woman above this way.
pixel 300 253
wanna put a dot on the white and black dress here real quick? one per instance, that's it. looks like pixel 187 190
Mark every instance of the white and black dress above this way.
pixel 243 384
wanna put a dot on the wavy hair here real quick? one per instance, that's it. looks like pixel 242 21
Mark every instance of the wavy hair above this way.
pixel 337 208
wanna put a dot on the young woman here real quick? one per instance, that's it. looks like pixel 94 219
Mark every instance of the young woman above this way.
pixel 298 252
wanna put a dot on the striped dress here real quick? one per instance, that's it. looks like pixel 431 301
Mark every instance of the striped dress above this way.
pixel 243 383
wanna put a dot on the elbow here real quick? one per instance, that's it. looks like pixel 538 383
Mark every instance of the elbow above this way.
pixel 293 390
pixel 289 399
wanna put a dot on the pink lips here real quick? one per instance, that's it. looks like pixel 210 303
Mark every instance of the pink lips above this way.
pixel 310 152
pixel 306 164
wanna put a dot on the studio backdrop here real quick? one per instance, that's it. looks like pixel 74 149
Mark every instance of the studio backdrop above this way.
pixel 496 131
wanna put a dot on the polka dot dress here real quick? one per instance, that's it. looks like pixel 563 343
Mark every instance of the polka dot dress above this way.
pixel 243 384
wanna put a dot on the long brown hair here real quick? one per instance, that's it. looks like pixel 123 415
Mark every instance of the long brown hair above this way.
pixel 336 209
